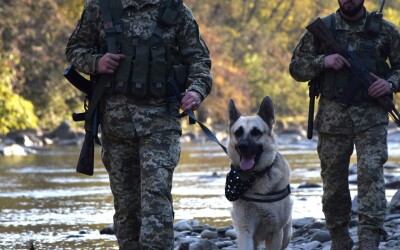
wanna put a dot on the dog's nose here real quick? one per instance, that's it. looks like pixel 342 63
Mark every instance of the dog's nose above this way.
pixel 243 146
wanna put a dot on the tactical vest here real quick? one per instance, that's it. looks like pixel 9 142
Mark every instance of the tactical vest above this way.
pixel 334 83
pixel 148 63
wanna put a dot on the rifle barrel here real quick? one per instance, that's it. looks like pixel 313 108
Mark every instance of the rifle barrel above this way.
pixel 382 5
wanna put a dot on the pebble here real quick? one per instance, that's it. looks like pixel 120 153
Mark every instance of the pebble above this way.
pixel 308 234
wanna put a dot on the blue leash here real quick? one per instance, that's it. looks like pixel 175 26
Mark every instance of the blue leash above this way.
pixel 192 117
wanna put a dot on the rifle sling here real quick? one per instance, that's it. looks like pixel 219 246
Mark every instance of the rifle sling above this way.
pixel 111 12
pixel 94 101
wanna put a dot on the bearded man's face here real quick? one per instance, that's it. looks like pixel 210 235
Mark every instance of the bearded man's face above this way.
pixel 350 7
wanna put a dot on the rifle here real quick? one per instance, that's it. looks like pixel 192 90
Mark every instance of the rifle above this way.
pixel 313 93
pixel 85 163
pixel 321 32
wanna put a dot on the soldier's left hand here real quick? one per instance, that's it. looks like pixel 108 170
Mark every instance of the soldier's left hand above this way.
pixel 191 101
pixel 379 88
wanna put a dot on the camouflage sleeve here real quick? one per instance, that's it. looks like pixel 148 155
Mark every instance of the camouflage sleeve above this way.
pixel 306 63
pixel 394 56
pixel 81 46
pixel 195 54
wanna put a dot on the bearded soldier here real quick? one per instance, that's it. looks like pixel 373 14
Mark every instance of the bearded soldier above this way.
pixel 362 123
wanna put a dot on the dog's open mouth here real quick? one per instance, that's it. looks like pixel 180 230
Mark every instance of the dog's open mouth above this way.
pixel 249 161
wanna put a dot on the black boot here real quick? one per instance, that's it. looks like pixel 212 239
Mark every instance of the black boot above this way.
pixel 370 243
pixel 342 242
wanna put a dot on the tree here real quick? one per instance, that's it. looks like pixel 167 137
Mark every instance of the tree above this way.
pixel 38 31
pixel 251 43
pixel 15 112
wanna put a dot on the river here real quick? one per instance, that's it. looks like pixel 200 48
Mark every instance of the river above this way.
pixel 44 203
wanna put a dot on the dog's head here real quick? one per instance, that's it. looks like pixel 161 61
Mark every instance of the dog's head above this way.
pixel 251 143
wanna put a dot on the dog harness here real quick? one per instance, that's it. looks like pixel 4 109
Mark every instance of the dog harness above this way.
pixel 238 182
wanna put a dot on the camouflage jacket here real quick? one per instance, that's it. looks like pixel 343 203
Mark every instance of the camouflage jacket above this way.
pixel 308 62
pixel 141 18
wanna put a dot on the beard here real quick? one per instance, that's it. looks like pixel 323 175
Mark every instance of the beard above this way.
pixel 351 9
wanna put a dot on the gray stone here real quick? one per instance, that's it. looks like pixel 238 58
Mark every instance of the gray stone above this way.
pixel 321 236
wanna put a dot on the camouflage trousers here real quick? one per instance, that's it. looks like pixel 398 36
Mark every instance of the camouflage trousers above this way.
pixel 334 152
pixel 140 171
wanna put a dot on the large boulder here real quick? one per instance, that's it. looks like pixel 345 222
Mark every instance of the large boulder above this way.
pixel 394 205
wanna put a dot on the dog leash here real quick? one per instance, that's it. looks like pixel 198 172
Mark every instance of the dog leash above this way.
pixel 192 117
pixel 234 187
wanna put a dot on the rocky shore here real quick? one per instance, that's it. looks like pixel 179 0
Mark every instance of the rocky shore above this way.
pixel 307 233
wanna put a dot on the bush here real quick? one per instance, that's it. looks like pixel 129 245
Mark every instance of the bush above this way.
pixel 15 112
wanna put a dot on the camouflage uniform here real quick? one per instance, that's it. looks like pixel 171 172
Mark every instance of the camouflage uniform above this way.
pixel 141 135
pixel 363 124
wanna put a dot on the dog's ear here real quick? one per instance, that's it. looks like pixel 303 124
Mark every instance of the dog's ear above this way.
pixel 266 111
pixel 234 113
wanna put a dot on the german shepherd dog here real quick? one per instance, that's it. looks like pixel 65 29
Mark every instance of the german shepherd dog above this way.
pixel 258 182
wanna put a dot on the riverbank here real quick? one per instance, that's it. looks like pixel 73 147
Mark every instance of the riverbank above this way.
pixel 307 233
pixel 45 202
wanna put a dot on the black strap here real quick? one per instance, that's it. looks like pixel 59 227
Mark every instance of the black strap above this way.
pixel 192 118
pixel 267 198
pixel 203 127
pixel 330 21
pixel 111 12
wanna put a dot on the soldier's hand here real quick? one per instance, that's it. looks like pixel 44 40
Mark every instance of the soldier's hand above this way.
pixel 335 62
pixel 191 100
pixel 379 88
pixel 108 63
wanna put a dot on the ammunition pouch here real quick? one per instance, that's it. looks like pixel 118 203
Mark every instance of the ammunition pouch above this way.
pixel 145 69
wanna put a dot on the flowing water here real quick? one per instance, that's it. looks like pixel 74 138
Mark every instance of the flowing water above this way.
pixel 45 204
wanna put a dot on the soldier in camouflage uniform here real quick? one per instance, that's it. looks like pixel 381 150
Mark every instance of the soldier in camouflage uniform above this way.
pixel 140 133
pixel 363 124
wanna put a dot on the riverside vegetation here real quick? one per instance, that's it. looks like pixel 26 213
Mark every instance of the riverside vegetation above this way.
pixel 251 43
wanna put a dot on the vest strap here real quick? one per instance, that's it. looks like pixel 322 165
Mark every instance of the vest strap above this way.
pixel 111 12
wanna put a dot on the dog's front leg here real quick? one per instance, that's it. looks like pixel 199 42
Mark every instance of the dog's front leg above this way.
pixel 287 233
pixel 274 242
pixel 245 241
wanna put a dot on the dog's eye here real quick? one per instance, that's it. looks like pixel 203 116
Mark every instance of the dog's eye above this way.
pixel 255 132
pixel 239 132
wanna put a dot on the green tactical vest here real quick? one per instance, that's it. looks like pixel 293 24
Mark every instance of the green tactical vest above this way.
pixel 148 63
pixel 334 83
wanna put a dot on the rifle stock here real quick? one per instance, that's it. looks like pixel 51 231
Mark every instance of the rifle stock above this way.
pixel 86 157
pixel 322 33
pixel 77 80
pixel 85 163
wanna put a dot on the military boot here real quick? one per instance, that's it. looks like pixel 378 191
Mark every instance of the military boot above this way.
pixel 370 243
pixel 342 242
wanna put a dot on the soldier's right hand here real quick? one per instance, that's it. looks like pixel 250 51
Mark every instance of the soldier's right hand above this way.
pixel 335 62
pixel 108 63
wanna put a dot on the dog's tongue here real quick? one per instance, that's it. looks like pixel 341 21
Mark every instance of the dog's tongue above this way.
pixel 247 164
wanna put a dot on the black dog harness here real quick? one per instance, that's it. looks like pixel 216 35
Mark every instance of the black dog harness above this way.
pixel 237 184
